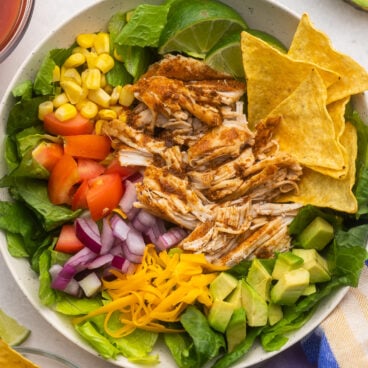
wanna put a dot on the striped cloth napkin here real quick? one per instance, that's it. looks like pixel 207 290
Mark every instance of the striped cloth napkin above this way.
pixel 341 340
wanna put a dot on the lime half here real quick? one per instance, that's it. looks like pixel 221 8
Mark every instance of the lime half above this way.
pixel 11 331
pixel 226 56
pixel 195 26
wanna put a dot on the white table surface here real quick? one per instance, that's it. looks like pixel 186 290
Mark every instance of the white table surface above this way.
pixel 348 30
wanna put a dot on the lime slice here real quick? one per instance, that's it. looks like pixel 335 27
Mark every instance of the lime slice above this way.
pixel 273 41
pixel 226 56
pixel 11 331
pixel 195 26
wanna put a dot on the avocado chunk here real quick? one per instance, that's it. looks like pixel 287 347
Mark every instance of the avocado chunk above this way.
pixel 223 285
pixel 310 289
pixel 290 287
pixel 255 306
pixel 286 262
pixel 235 296
pixel 259 278
pixel 275 313
pixel 236 330
pixel 315 264
pixel 220 314
pixel 316 235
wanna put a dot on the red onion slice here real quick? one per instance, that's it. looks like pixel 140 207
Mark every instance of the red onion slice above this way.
pixel 107 236
pixel 90 284
pixel 87 232
pixel 101 261
pixel 119 227
pixel 129 197
pixel 172 237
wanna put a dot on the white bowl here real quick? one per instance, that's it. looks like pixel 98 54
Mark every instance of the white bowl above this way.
pixel 259 14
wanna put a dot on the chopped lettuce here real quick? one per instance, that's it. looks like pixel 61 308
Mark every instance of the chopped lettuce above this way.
pixel 144 26
pixel 24 114
pixel 361 182
pixel 23 90
pixel 99 342
pixel 199 345
pixel 43 83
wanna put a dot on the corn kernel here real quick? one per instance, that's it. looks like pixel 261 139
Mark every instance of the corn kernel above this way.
pixel 86 40
pixel 126 97
pixel 104 84
pixel 56 74
pixel 91 60
pixel 100 97
pixel 70 74
pixel 45 108
pixel 107 114
pixel 117 56
pixel 102 43
pixel 104 62
pixel 65 112
pixel 115 94
pixel 60 99
pixel 74 91
pixel 98 126
pixel 117 108
pixel 91 78
pixel 88 109
pixel 81 50
pixel 75 60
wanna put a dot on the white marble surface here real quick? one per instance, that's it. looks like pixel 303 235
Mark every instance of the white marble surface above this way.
pixel 348 29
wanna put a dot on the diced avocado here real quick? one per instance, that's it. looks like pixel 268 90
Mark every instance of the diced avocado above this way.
pixel 236 330
pixel 275 313
pixel 315 264
pixel 290 287
pixel 309 290
pixel 316 235
pixel 223 285
pixel 235 296
pixel 259 278
pixel 220 314
pixel 255 306
pixel 286 262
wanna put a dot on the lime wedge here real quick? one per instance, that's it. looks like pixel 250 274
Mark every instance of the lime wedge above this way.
pixel 195 26
pixel 226 56
pixel 11 331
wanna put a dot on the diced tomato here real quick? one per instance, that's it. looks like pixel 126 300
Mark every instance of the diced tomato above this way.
pixel 123 171
pixel 92 146
pixel 48 154
pixel 104 194
pixel 62 178
pixel 68 241
pixel 76 125
pixel 79 198
pixel 89 169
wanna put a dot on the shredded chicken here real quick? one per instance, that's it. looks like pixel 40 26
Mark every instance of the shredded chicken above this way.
pixel 205 170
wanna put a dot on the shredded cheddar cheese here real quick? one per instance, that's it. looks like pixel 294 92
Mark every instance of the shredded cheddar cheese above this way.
pixel 159 290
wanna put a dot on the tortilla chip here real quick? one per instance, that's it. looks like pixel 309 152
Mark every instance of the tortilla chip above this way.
pixel 337 114
pixel 306 130
pixel 272 76
pixel 322 190
pixel 312 45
